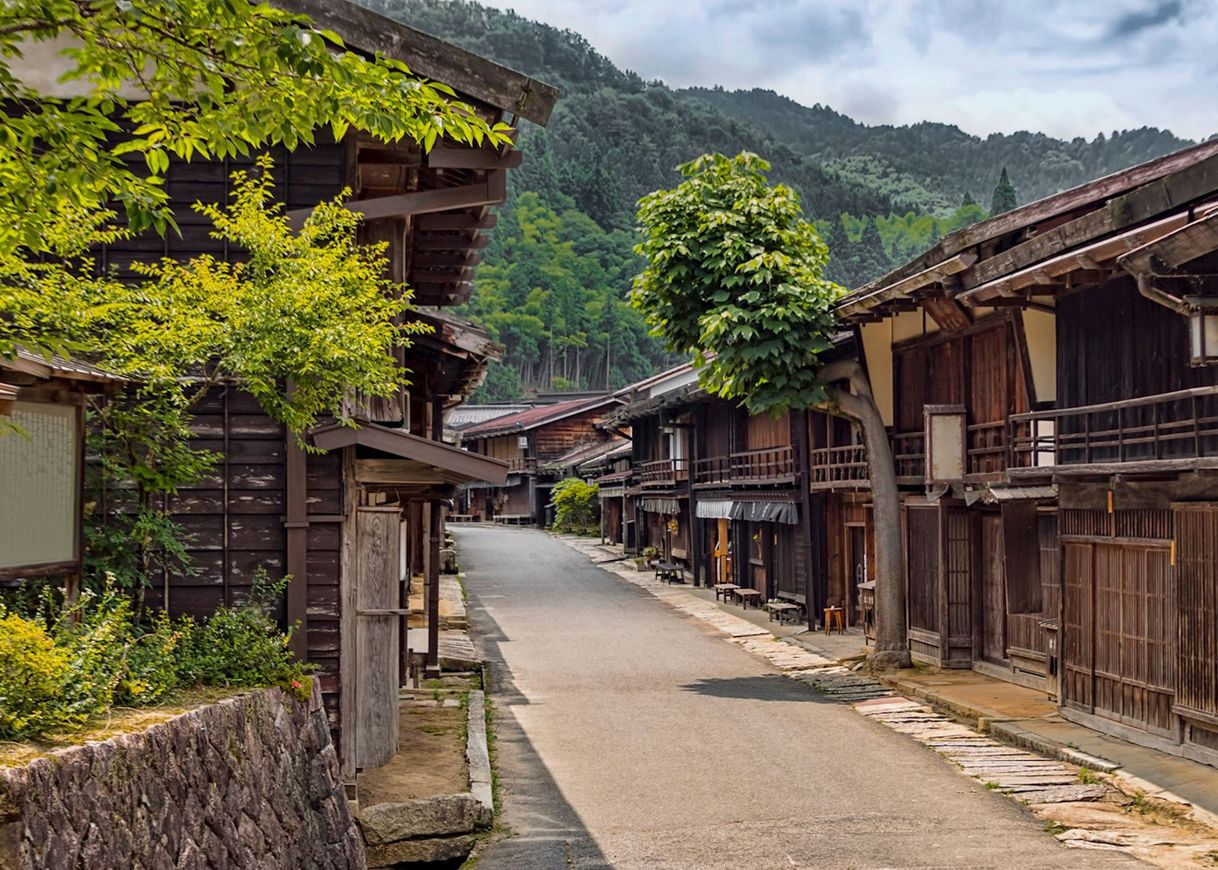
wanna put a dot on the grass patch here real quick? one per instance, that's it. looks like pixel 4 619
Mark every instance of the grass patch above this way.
pixel 992 786
pixel 114 722
pixel 1087 776
pixel 1055 828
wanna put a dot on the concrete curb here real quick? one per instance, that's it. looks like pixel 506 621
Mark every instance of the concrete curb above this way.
pixel 478 754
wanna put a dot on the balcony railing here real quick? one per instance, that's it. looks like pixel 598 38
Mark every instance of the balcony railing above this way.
pixel 713 471
pixel 520 463
pixel 1154 432
pixel 765 467
pixel 664 472
pixel 839 467
pixel 909 456
pixel 986 452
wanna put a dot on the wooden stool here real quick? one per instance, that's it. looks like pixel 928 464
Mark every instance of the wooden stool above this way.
pixel 835 614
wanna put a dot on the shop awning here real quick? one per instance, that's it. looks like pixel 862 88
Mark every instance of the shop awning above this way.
pixel 667 506
pixel 1000 494
pixel 748 511
pixel 611 491
pixel 714 509
pixel 766 512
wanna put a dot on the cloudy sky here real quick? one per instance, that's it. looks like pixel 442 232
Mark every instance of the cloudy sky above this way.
pixel 1064 67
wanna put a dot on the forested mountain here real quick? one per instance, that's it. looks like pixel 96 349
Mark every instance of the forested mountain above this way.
pixel 553 284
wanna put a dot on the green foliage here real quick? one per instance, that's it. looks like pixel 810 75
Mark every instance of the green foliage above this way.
pixel 241 646
pixel 575 503
pixel 98 655
pixel 215 79
pixel 32 677
pixel 1004 195
pixel 312 309
pixel 552 291
pixel 734 277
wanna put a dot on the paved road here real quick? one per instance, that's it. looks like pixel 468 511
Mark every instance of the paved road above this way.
pixel 631 736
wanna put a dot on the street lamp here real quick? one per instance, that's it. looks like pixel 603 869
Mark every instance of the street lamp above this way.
pixel 1202 329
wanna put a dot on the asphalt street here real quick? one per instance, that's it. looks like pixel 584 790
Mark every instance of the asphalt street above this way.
pixel 629 735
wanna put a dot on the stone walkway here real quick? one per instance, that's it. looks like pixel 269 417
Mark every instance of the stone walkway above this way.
pixel 1083 809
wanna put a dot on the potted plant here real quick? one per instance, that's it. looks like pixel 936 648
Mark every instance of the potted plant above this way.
pixel 645 557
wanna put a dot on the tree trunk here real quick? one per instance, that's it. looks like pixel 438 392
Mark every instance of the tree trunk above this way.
pixel 858 403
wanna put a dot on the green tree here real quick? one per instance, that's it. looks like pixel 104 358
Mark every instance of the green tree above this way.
pixel 1003 199
pixel 575 502
pixel 733 277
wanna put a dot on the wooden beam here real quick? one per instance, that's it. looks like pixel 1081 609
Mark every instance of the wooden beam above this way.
pixel 1172 252
pixel 948 313
pixel 450 243
pixel 446 258
pixel 481 220
pixel 491 191
pixel 448 156
pixel 433 58
pixel 440 276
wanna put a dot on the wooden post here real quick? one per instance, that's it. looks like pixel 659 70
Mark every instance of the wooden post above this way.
pixel 296 525
pixel 377 618
pixel 348 566
pixel 435 527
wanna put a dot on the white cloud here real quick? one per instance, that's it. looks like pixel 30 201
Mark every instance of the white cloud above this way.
pixel 1063 67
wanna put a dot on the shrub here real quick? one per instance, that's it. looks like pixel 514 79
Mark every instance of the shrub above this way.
pixel 32 678
pixel 97 655
pixel 574 505
pixel 241 646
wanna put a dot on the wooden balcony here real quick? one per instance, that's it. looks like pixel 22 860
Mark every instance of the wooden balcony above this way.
pixel 1175 431
pixel 660 473
pixel 839 467
pixel 522 465
pixel 769 466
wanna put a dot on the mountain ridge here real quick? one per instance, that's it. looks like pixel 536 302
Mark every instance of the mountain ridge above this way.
pixel 554 281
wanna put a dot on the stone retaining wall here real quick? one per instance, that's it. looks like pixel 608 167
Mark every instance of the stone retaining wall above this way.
pixel 252 781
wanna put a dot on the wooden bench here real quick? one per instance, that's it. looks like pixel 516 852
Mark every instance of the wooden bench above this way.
pixel 745 595
pixel 670 572
pixel 797 600
pixel 724 589
pixel 782 609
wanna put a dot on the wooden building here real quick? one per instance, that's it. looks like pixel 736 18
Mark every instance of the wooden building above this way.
pixel 720 492
pixel 537 444
pixel 1048 376
pixel 360 520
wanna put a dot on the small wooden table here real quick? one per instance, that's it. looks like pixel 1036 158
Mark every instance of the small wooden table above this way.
pixel 724 589
pixel 744 596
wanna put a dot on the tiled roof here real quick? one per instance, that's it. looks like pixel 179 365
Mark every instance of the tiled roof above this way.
pixel 534 417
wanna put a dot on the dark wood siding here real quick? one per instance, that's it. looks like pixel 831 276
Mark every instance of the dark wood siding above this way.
pixel 923 550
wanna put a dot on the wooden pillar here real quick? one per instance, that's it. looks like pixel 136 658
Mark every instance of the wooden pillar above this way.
pixel 348 567
pixel 697 529
pixel 296 525
pixel 433 513
pixel 808 543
